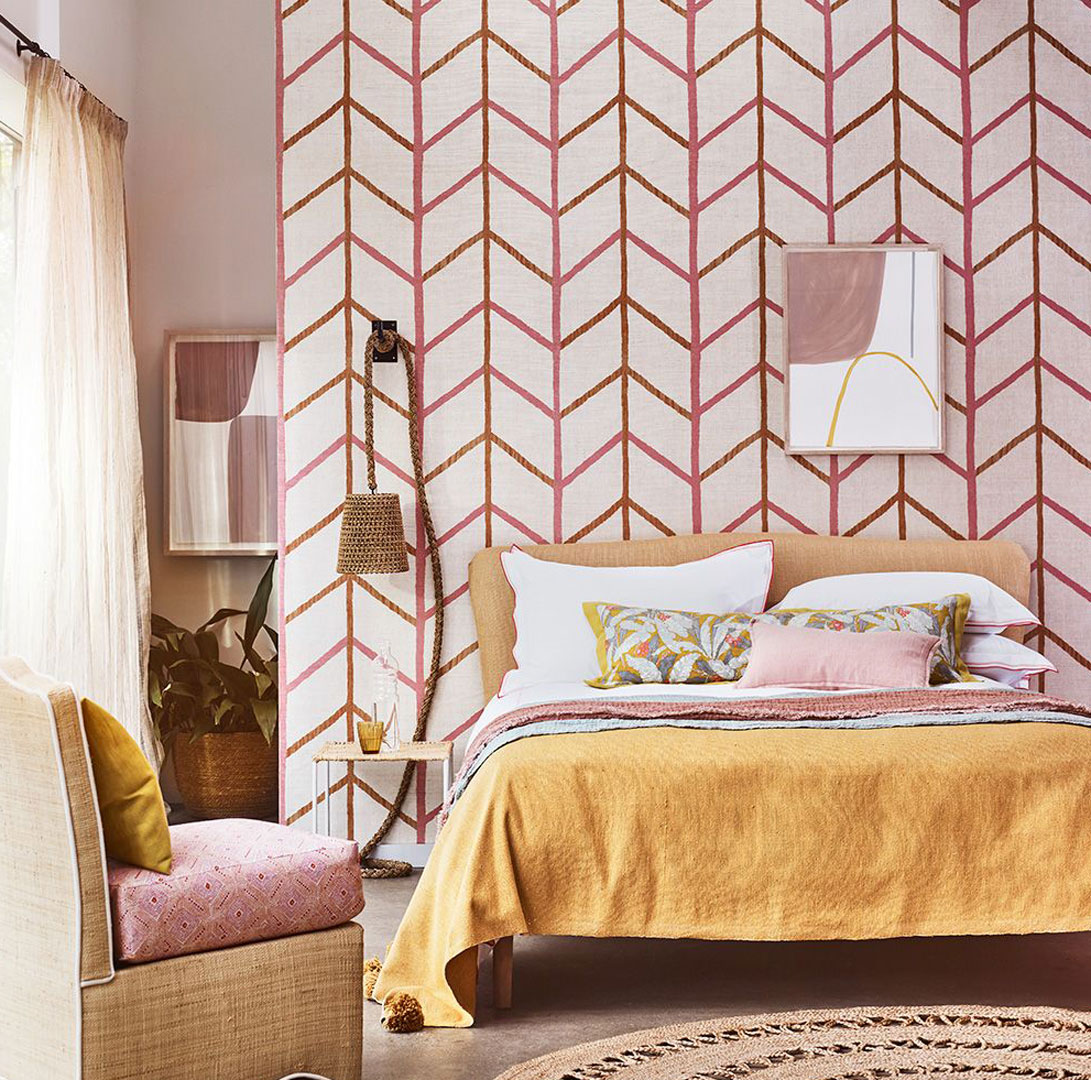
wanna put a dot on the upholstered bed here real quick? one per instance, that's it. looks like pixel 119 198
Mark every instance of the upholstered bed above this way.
pixel 703 812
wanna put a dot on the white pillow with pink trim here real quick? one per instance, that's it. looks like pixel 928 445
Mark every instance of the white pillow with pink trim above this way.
pixel 992 610
pixel 1003 660
pixel 554 641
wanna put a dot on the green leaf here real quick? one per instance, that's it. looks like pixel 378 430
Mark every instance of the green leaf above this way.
pixel 259 605
pixel 223 613
pixel 222 710
pixel 161 627
pixel 265 712
pixel 155 691
pixel 263 683
pixel 207 644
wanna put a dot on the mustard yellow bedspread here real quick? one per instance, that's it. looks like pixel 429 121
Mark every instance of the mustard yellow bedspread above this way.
pixel 784 834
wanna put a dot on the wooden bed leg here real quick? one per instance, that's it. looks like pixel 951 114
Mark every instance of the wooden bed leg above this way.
pixel 502 972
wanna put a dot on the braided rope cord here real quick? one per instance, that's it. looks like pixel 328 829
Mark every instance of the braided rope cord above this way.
pixel 383 341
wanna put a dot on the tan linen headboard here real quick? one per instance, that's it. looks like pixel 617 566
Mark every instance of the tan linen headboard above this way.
pixel 797 558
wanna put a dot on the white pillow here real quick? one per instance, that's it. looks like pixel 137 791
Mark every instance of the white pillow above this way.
pixel 991 609
pixel 553 639
pixel 1002 659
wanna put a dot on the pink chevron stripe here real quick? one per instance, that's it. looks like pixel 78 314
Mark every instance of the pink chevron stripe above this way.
pixel 313 59
pixel 659 257
pixel 315 462
pixel 731 387
pixel 586 464
pixel 380 58
pixel 790 519
pixel 655 54
pixel 1067 117
pixel 1003 182
pixel 588 57
pixel 461 321
pixel 1068 515
pixel 855 464
pixel 723 126
pixel 801 191
pixel 733 321
pixel 455 529
pixel 927 50
pixel 1064 579
pixel 720 192
pixel 1061 178
pixel 953 465
pixel 528 330
pixel 516 524
pixel 314 260
pixel 1071 383
pixel 1001 525
pixel 660 459
pixel 1006 317
pixel 1064 313
pixel 453 125
pixel 1004 383
pixel 522 391
pixel 798 124
pixel 384 462
pixel 746 515
pixel 457 186
pixel 382 259
pixel 860 53
pixel 455 390
pixel 515 121
pixel 449 597
pixel 518 188
pixel 317 665
pixel 993 124
pixel 591 256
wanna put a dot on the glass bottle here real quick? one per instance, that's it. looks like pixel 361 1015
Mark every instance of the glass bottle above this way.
pixel 384 693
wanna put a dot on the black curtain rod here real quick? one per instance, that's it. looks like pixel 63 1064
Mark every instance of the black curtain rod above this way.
pixel 23 43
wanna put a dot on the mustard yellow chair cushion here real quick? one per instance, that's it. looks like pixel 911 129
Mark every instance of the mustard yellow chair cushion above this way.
pixel 134 819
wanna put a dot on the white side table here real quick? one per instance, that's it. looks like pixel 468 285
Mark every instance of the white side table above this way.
pixel 350 753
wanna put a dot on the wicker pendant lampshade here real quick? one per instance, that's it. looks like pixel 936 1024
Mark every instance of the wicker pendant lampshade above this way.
pixel 372 535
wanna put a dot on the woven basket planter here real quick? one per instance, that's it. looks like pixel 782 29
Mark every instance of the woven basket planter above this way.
pixel 227 775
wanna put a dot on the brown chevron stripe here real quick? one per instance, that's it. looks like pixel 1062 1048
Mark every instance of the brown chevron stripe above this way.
pixel 324 186
pixel 866 115
pixel 314 396
pixel 520 258
pixel 592 322
pixel 517 56
pixel 454 254
pixel 998 251
pixel 857 191
pixel 726 254
pixel 601 182
pixel 654 120
pixel 321 321
pixel 314 124
pixel 725 52
pixel 518 458
pixel 333 586
pixel 381 195
pixel 592 525
pixel 587 395
pixel 460 453
pixel 660 395
pixel 999 47
pixel 931 118
pixel 658 323
pixel 1006 449
pixel 1064 50
pixel 734 452
pixel 598 114
pixel 382 125
pixel 451 53
pixel 790 53
pixel 662 196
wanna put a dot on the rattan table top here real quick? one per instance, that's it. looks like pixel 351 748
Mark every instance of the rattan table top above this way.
pixel 420 751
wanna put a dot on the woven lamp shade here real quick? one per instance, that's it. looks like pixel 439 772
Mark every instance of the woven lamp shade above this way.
pixel 372 536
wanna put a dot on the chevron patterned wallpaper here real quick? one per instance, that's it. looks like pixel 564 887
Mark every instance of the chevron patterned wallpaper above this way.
pixel 575 211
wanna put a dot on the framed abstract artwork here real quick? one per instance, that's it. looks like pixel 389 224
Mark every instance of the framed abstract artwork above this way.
pixel 863 349
pixel 221 443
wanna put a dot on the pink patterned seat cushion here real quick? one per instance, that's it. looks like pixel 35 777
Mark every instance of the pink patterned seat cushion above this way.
pixel 233 881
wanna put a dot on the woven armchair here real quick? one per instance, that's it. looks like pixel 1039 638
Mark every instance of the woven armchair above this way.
pixel 253 1012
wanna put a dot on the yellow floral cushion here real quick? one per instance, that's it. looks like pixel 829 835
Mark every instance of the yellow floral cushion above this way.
pixel 648 645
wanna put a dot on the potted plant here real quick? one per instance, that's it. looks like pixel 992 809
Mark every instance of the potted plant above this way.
pixel 218 718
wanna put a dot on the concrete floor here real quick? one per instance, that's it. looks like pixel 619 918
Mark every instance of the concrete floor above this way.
pixel 572 990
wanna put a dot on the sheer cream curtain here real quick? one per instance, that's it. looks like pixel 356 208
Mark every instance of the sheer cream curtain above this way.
pixel 75 601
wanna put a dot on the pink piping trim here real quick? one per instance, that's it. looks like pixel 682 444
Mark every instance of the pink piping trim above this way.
pixel 515 547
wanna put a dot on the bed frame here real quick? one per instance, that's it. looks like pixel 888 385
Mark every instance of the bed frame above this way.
pixel 797 558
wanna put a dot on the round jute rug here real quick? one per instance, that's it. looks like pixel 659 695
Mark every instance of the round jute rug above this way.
pixel 851 1044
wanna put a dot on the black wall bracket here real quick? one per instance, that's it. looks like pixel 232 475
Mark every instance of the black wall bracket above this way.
pixel 389 356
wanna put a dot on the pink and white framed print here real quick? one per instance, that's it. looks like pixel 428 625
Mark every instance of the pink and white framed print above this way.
pixel 863 349
pixel 221 443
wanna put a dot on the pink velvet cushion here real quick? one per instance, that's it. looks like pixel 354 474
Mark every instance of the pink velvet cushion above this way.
pixel 233 881
pixel 810 659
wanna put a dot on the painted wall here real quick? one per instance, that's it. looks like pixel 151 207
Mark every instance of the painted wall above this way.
pixel 575 213
pixel 201 210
